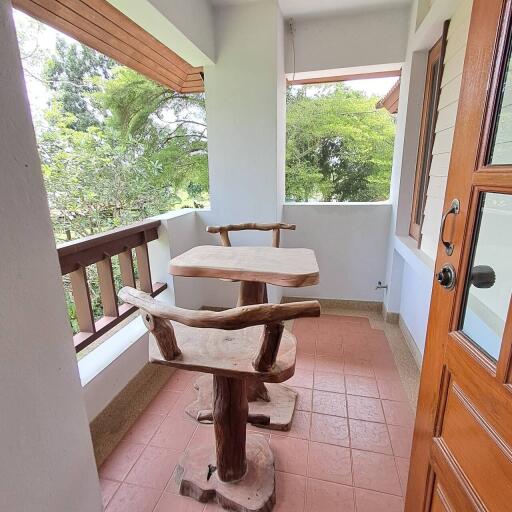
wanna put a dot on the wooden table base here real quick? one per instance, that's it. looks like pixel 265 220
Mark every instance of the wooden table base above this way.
pixel 255 492
pixel 280 408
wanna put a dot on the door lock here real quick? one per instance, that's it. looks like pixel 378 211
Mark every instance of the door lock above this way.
pixel 446 277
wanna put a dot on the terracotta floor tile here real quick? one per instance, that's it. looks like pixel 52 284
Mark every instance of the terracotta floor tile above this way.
pixel 305 322
pixel 356 366
pixel 325 402
pixel 180 380
pixel 174 432
pixel 304 399
pixel 144 428
pixel 398 413
pixel 365 408
pixel 154 467
pixel 305 361
pixel 301 379
pixel 374 437
pixel 132 498
pixel 375 471
pixel 120 461
pixel 306 345
pixel 331 463
pixel 328 497
pixel 300 426
pixel 329 364
pixel 172 485
pixel 163 402
pixel 361 386
pixel 204 434
pixel 290 493
pixel 329 429
pixel 328 381
pixel 290 454
pixel 328 347
pixel 108 489
pixel 403 472
pixel 175 503
pixel 372 501
pixel 401 440
pixel 385 373
pixel 186 398
pixel 391 390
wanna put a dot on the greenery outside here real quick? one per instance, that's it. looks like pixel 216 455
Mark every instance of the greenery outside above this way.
pixel 339 146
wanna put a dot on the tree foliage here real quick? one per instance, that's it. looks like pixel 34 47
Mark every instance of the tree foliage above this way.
pixel 339 147
pixel 116 147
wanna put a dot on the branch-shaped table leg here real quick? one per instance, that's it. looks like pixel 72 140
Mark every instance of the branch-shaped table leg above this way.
pixel 230 411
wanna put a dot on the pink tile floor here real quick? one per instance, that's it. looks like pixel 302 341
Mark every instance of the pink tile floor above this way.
pixel 348 449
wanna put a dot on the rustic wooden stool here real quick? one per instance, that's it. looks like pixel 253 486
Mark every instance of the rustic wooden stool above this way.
pixel 243 343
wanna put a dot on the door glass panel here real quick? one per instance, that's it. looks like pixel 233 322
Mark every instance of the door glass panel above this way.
pixel 489 283
pixel 501 147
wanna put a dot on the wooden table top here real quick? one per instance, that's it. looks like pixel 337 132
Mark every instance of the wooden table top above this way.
pixel 278 266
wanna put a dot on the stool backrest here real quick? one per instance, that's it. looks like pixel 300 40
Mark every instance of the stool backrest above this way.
pixel 156 316
pixel 250 226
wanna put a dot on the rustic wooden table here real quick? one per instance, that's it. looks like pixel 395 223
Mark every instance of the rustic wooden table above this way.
pixel 254 267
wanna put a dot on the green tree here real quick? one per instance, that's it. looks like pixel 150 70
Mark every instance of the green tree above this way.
pixel 339 147
pixel 71 72
pixel 172 126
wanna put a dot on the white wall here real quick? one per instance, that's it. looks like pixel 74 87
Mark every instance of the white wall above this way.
pixel 46 461
pixel 368 38
pixel 350 242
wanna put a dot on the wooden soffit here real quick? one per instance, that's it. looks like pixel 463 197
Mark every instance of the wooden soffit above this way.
pixel 101 26
pixel 390 101
pixel 344 78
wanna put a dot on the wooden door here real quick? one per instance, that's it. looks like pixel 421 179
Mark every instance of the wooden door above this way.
pixel 462 450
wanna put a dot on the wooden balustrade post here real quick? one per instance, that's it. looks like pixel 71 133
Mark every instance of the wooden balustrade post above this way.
pixel 107 287
pixel 230 410
pixel 142 255
pixel 126 265
pixel 82 300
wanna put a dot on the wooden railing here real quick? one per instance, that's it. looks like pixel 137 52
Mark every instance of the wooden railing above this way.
pixel 98 250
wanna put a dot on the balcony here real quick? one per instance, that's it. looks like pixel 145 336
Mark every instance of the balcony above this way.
pixel 90 424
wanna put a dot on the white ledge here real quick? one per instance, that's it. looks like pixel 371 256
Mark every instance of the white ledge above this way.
pixel 338 203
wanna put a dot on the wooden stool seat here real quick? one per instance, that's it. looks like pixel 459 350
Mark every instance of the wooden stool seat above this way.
pixel 238 347
pixel 227 353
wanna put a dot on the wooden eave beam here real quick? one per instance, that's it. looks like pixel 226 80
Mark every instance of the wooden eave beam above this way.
pixel 344 78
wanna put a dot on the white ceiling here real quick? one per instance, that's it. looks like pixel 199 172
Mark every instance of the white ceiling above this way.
pixel 312 7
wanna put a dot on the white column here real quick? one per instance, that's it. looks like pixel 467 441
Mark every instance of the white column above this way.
pixel 245 100
pixel 46 461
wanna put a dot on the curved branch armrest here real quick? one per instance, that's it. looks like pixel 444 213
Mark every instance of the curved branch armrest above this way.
pixel 254 226
pixel 231 319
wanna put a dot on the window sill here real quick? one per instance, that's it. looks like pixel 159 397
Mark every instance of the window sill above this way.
pixel 348 204
pixel 407 247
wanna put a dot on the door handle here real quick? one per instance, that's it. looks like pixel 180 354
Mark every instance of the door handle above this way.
pixel 453 210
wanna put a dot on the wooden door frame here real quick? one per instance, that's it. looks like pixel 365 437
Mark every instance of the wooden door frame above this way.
pixel 483 52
